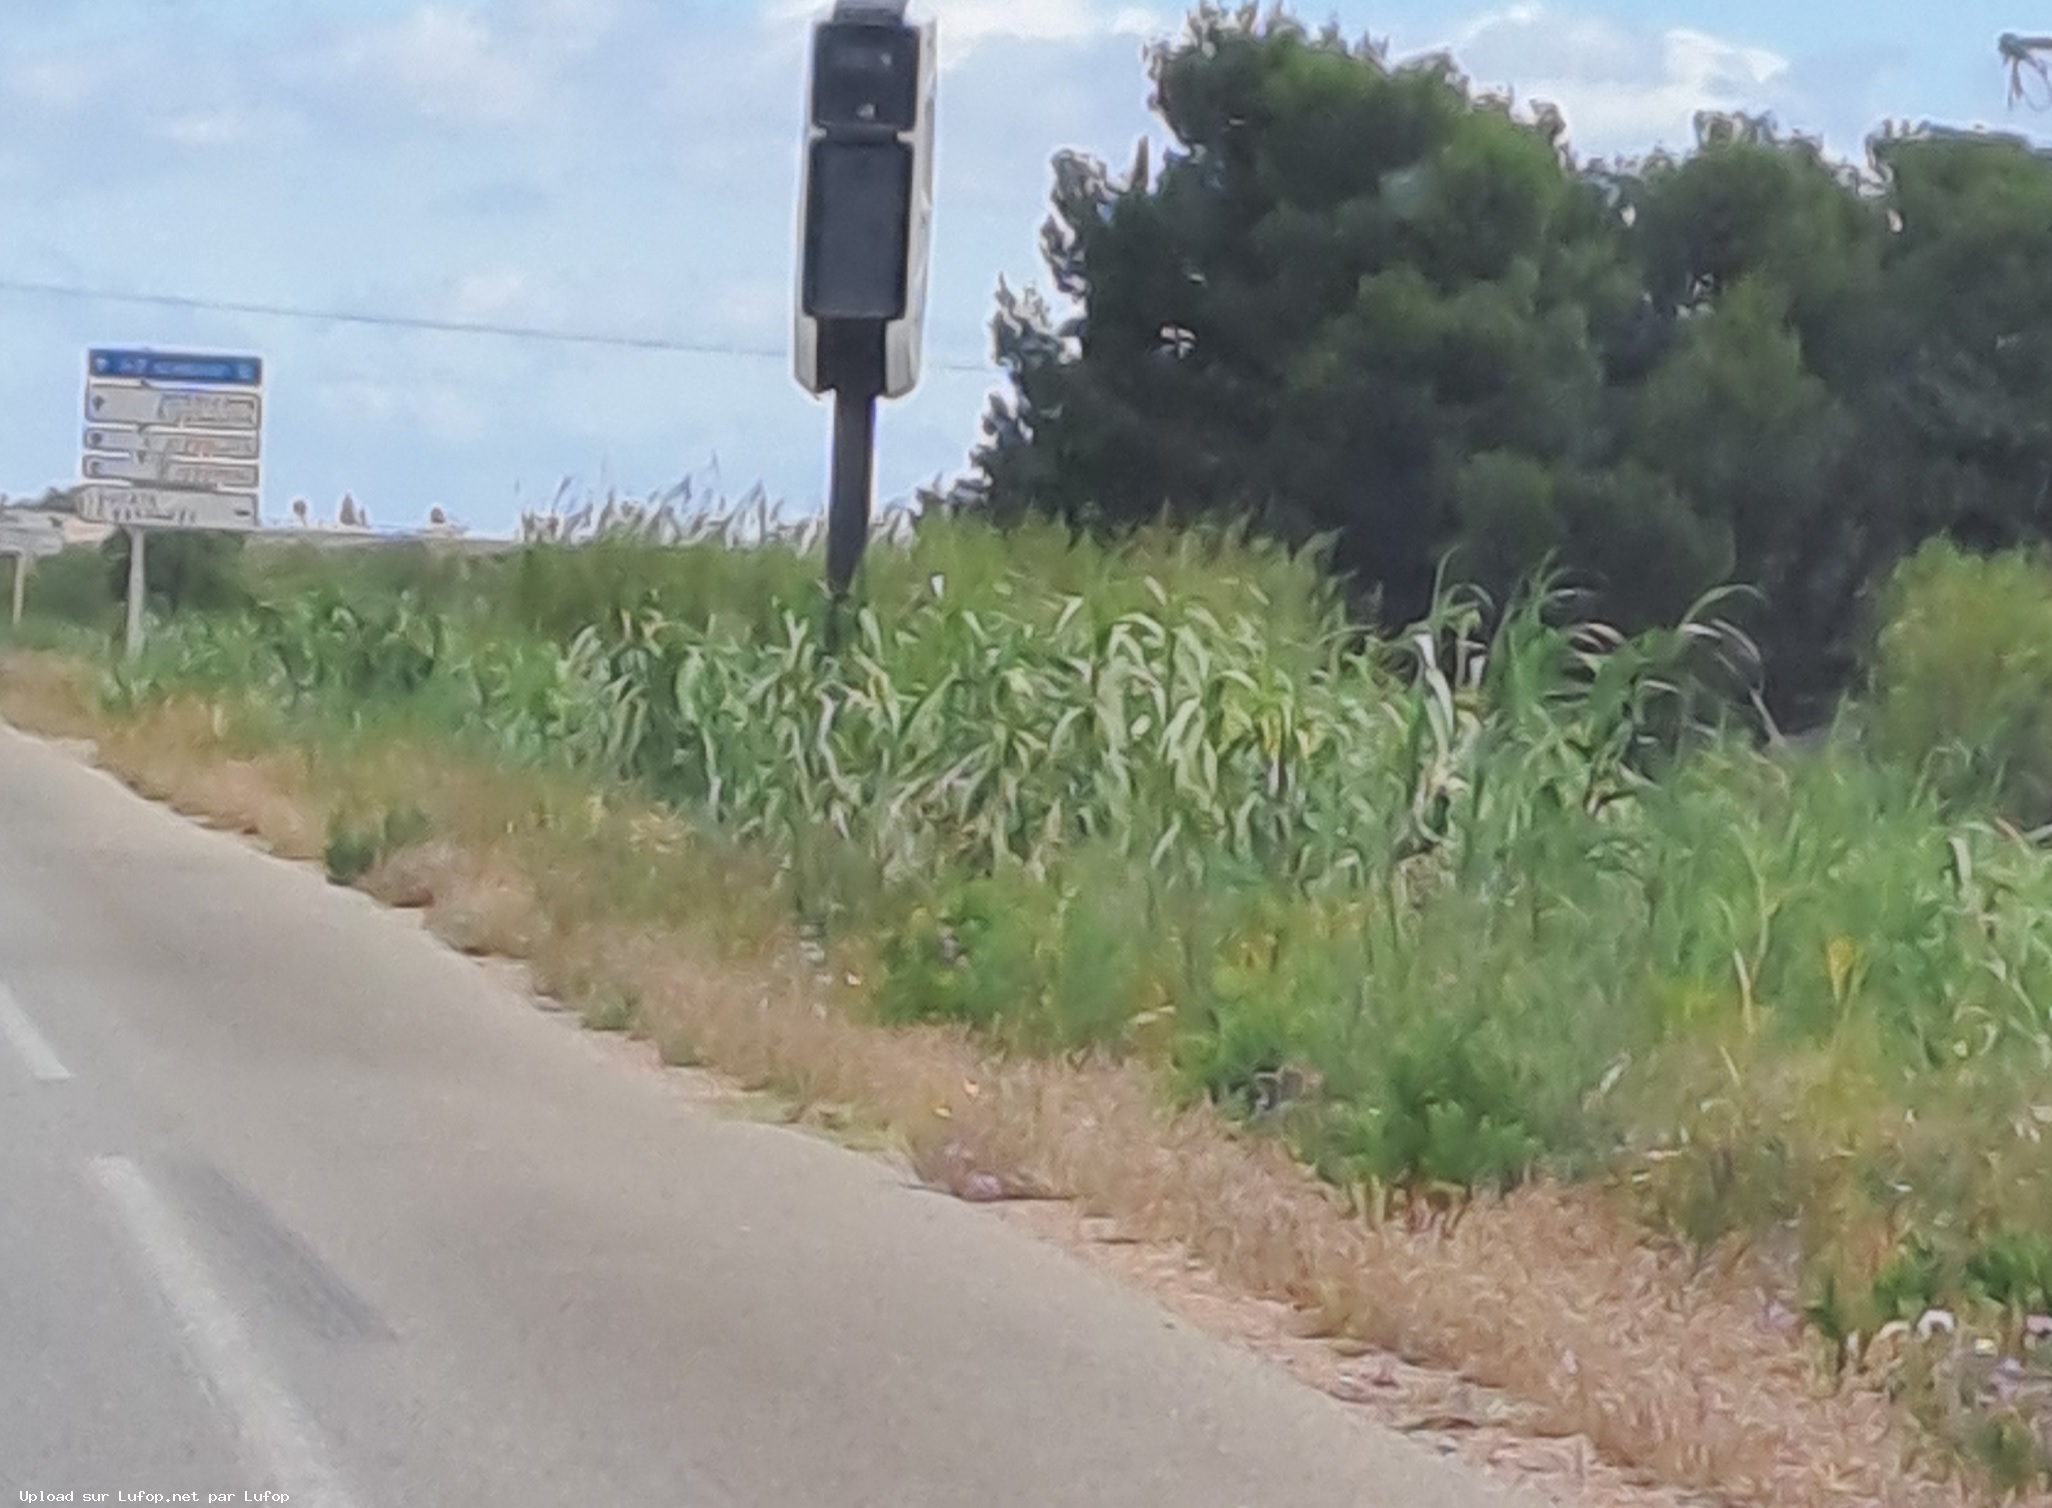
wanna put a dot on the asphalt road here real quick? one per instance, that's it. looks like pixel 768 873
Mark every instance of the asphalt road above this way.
pixel 293 1200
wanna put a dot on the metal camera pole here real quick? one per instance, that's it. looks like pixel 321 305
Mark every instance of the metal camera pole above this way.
pixel 854 481
pixel 852 356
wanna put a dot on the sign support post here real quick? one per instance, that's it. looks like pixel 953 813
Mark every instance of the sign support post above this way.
pixel 134 641
pixel 26 535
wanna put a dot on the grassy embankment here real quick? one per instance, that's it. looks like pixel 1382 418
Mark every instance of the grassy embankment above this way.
pixel 1119 873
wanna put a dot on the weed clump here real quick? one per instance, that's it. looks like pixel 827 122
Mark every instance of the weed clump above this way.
pixel 357 845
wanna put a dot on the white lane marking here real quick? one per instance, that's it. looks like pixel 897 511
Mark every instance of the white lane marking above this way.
pixel 282 1441
pixel 28 1043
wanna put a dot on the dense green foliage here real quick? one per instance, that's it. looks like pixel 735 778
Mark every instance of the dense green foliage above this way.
pixel 72 588
pixel 1962 678
pixel 1360 300
pixel 183 571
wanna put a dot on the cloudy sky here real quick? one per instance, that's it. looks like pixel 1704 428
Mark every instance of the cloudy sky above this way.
pixel 627 167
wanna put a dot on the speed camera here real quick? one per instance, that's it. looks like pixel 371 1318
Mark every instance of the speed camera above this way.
pixel 867 203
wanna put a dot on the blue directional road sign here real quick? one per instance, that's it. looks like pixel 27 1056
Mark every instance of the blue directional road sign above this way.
pixel 178 366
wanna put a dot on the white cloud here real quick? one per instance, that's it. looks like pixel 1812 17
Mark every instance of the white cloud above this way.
pixel 452 416
pixel 441 411
pixel 491 293
pixel 966 25
pixel 481 65
pixel 449 65
pixel 359 398
pixel 211 127
pixel 570 25
pixel 755 303
pixel 1622 88
pixel 54 83
pixel 639 407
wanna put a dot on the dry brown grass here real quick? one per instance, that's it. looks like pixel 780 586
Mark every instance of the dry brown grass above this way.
pixel 48 694
pixel 484 907
pixel 1552 1296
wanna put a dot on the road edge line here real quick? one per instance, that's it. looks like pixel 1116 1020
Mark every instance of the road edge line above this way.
pixel 284 1443
pixel 29 1044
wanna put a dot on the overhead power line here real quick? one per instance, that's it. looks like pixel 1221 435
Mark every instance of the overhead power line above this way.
pixel 420 322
